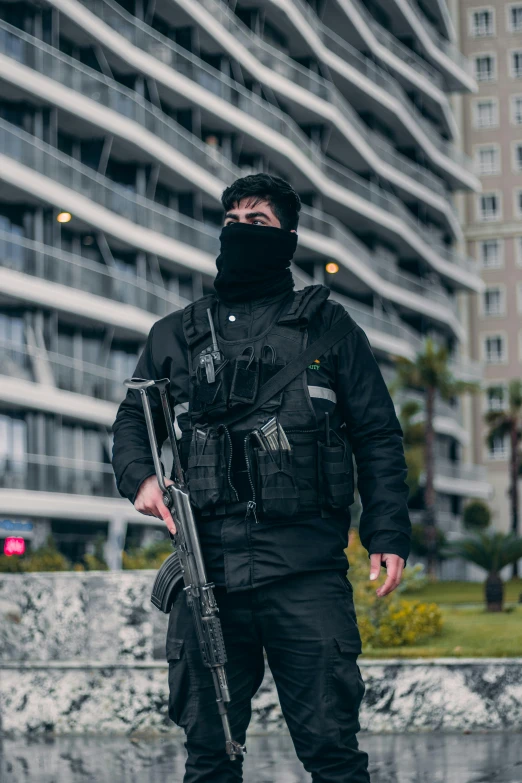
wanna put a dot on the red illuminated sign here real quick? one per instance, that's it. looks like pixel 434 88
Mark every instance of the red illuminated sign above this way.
pixel 14 546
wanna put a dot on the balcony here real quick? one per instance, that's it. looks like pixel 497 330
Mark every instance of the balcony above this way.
pixel 34 363
pixel 53 265
pixel 288 69
pixel 252 107
pixel 43 473
pixel 73 74
pixel 139 211
pixel 456 67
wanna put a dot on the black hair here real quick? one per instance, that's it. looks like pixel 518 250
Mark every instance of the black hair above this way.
pixel 283 199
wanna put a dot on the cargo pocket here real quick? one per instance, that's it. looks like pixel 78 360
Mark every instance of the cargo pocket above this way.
pixel 206 474
pixel 180 703
pixel 335 474
pixel 278 492
pixel 346 686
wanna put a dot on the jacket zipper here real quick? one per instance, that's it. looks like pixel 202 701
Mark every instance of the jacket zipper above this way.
pixel 229 466
pixel 251 505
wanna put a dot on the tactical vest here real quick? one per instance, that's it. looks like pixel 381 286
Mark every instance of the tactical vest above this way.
pixel 227 471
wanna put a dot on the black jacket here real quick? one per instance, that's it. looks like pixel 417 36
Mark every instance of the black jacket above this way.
pixel 242 554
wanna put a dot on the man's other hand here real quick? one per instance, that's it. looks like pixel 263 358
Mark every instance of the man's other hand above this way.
pixel 149 501
pixel 394 567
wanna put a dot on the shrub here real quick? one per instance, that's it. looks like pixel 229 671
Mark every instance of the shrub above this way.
pixel 151 556
pixel 45 558
pixel 389 621
pixel 418 540
pixel 477 515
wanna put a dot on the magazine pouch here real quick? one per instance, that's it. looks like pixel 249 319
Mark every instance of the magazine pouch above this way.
pixel 206 473
pixel 278 492
pixel 335 467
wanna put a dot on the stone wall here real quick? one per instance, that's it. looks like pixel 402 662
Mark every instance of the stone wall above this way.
pixel 85 652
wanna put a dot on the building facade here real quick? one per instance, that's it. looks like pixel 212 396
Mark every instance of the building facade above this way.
pixel 491 37
pixel 121 124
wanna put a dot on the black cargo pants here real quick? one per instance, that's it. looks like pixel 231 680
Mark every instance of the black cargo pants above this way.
pixel 307 625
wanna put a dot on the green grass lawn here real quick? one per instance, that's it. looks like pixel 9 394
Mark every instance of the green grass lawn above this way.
pixel 451 593
pixel 469 631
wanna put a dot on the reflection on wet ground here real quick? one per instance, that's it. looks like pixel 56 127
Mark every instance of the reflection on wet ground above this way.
pixel 411 758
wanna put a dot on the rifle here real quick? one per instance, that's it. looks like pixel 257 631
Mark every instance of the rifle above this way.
pixel 198 591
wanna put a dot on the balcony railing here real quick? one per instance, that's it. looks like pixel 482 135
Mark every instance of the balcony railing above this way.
pixel 389 41
pixel 75 271
pixel 316 221
pixel 46 160
pixel 367 317
pixel 182 61
pixel 27 363
pixel 459 470
pixel 98 87
pixel 441 43
pixel 314 83
pixel 43 473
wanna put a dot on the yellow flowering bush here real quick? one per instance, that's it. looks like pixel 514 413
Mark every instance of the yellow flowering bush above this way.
pixel 390 621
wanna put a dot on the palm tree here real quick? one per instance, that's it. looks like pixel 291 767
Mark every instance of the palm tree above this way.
pixel 490 551
pixel 431 374
pixel 509 422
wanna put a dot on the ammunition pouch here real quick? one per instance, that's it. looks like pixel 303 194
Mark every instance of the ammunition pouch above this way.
pixel 336 484
pixel 277 487
pixel 207 468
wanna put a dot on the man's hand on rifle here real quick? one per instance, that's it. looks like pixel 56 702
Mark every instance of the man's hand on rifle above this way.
pixel 149 501
pixel 394 567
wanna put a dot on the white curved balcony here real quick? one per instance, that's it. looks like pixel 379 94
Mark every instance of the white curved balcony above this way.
pixel 346 59
pixel 386 334
pixel 180 71
pixel 458 478
pixel 284 76
pixel 442 53
pixel 49 277
pixel 409 68
pixel 55 178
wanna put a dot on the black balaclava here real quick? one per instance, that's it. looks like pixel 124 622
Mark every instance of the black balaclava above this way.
pixel 254 262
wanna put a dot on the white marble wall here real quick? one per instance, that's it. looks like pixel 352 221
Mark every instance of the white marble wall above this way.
pixel 85 653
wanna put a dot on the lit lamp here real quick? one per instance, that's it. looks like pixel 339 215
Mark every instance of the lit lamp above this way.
pixel 63 217
pixel 332 268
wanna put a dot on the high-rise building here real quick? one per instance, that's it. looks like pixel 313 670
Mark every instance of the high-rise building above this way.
pixel 491 37
pixel 121 124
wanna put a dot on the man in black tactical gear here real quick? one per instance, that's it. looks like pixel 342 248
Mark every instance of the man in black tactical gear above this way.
pixel 272 507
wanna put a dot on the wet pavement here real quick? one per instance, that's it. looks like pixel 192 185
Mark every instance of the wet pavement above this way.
pixel 411 758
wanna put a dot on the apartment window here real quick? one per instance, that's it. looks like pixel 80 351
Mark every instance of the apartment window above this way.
pixel 495 351
pixel 516 63
pixel 490 253
pixel 517 156
pixel 516 109
pixel 485 113
pixel 13 440
pixel 494 301
pixel 496 398
pixel 487 160
pixel 485 67
pixel 488 206
pixel 518 250
pixel 482 22
pixel 517 202
pixel 498 448
pixel 515 18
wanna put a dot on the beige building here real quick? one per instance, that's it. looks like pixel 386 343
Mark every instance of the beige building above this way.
pixel 491 36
